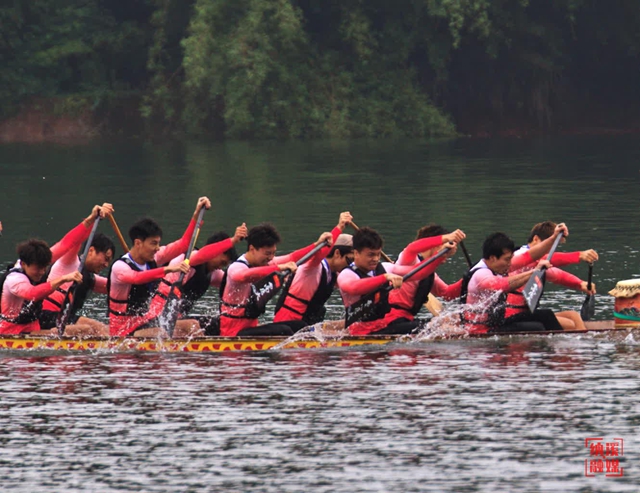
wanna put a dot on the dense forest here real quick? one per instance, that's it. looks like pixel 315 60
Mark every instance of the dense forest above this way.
pixel 327 68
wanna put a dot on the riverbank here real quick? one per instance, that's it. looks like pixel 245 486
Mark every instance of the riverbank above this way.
pixel 82 119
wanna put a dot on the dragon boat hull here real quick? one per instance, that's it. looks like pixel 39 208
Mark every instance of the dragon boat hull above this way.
pixel 221 344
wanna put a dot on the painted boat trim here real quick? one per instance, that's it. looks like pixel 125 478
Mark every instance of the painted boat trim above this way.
pixel 222 344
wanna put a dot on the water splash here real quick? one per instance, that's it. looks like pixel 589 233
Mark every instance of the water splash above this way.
pixel 321 332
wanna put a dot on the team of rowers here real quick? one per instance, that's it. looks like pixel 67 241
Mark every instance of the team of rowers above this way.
pixel 43 292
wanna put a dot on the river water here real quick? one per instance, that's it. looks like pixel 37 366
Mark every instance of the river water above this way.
pixel 502 414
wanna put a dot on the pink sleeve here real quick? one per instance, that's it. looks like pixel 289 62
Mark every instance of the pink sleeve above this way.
pixel 100 285
pixel 560 259
pixel 447 292
pixel 70 243
pixel 242 273
pixel 293 256
pixel 488 282
pixel 323 252
pixel 208 252
pixel 172 250
pixel 422 274
pixel 558 276
pixel 409 254
pixel 130 276
pixel 357 286
pixel 24 289
pixel 520 261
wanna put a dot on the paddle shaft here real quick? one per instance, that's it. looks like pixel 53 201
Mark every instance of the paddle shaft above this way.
pixel 589 277
pixel 115 227
pixel 65 309
pixel 173 314
pixel 466 254
pixel 535 285
pixel 382 254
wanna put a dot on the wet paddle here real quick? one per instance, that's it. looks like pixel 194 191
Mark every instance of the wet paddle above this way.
pixel 115 227
pixel 66 310
pixel 372 303
pixel 466 254
pixel 589 305
pixel 171 307
pixel 535 285
pixel 266 288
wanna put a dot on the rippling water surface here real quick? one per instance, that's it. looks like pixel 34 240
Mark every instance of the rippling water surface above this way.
pixel 506 414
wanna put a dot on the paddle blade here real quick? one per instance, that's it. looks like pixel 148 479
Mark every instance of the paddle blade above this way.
pixel 266 288
pixel 588 309
pixel 533 289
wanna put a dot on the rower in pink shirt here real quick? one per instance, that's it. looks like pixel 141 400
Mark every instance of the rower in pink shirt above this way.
pixel 302 302
pixel 407 301
pixel 238 314
pixel 134 279
pixel 516 305
pixel 486 285
pixel 367 274
pixel 23 291
pixel 205 270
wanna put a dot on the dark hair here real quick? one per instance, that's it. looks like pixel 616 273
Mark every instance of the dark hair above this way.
pixel 343 249
pixel 34 252
pixel 102 244
pixel 263 235
pixel 430 230
pixel 221 236
pixel 367 238
pixel 542 230
pixel 495 244
pixel 143 229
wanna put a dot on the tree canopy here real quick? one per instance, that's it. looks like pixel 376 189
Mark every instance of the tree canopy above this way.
pixel 330 68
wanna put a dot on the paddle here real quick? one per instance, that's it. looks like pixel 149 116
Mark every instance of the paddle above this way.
pixel 466 254
pixel 589 305
pixel 535 285
pixel 115 227
pixel 171 310
pixel 66 310
pixel 368 304
pixel 266 288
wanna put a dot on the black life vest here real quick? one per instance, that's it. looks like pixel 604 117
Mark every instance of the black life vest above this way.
pixel 30 310
pixel 315 310
pixel 139 295
pixel 80 292
pixel 422 293
pixel 194 288
pixel 495 313
pixel 251 308
pixel 381 307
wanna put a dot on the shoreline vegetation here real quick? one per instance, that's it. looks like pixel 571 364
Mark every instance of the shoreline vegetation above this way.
pixel 306 69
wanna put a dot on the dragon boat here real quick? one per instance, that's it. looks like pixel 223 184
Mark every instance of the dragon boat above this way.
pixel 223 344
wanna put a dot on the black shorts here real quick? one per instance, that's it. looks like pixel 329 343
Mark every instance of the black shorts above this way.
pixel 542 319
pixel 49 319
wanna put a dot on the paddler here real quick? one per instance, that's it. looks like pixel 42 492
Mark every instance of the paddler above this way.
pixel 517 308
pixel 302 301
pixel 406 302
pixel 486 285
pixel 134 279
pixel 205 269
pixel 238 315
pixel 367 274
pixel 99 257
pixel 23 286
